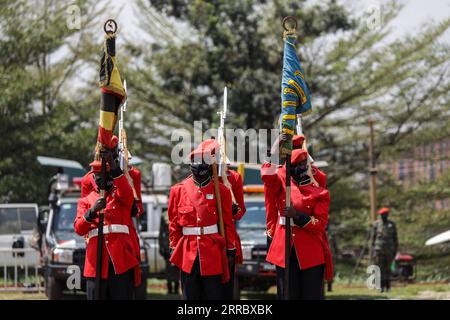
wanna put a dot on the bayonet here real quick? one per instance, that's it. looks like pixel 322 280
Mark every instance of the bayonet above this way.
pixel 222 159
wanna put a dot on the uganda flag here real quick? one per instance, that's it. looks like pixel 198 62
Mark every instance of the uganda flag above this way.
pixel 295 96
pixel 113 93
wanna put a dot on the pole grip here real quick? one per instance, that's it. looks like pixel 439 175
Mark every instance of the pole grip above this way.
pixel 287 244
pixel 98 273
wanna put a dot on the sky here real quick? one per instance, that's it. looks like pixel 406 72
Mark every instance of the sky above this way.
pixel 413 15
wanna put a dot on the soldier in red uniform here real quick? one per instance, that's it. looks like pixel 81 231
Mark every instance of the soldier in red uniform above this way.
pixel 238 211
pixel 88 185
pixel 320 176
pixel 198 249
pixel 321 179
pixel 310 254
pixel 119 257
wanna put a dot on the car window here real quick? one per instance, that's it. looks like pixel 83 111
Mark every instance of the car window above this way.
pixel 28 218
pixel 63 220
pixel 9 221
pixel 15 220
pixel 254 217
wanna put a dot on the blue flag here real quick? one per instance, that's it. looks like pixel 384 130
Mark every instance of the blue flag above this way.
pixel 295 96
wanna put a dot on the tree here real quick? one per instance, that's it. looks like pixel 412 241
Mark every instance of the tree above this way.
pixel 224 43
pixel 41 112
pixel 353 71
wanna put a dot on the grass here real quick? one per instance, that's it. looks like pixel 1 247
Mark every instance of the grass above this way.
pixel 22 296
pixel 341 291
pixel 399 291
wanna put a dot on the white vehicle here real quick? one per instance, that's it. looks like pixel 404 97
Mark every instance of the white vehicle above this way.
pixel 17 221
pixel 155 202
pixel 154 206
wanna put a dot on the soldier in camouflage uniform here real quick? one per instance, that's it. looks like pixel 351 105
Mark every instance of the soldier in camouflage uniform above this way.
pixel 384 246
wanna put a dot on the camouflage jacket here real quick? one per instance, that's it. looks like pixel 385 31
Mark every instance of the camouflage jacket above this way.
pixel 384 237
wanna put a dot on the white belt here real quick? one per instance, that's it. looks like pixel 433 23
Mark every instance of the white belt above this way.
pixel 197 231
pixel 283 221
pixel 111 228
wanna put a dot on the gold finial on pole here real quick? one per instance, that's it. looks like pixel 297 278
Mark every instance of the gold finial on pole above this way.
pixel 289 26
pixel 110 26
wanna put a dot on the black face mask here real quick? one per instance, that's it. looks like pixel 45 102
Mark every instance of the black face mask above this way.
pixel 99 182
pixel 201 171
pixel 299 172
pixel 384 217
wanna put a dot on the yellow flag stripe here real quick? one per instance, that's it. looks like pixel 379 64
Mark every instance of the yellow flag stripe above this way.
pixel 289 117
pixel 288 131
pixel 298 73
pixel 289 90
pixel 107 120
pixel 289 103
pixel 299 89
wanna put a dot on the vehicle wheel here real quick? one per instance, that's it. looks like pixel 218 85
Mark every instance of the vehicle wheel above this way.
pixel 54 288
pixel 141 291
pixel 237 289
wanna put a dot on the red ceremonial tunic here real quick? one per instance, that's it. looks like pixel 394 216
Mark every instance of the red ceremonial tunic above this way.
pixel 193 206
pixel 320 177
pixel 271 206
pixel 88 185
pixel 118 246
pixel 310 242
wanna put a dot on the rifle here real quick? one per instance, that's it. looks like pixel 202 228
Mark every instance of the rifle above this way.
pixel 220 217
pixel 124 154
pixel 222 171
pixel 222 145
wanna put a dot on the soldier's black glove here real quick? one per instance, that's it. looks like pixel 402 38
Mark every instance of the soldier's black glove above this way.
pixel 268 242
pixel 235 209
pixel 92 213
pixel 231 253
pixel 134 209
pixel 231 257
pixel 99 205
pixel 300 218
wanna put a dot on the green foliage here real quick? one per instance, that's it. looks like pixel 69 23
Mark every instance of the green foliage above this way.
pixel 199 47
pixel 355 73
pixel 39 111
pixel 190 50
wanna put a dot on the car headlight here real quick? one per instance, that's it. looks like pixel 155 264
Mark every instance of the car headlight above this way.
pixel 62 255
pixel 247 252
